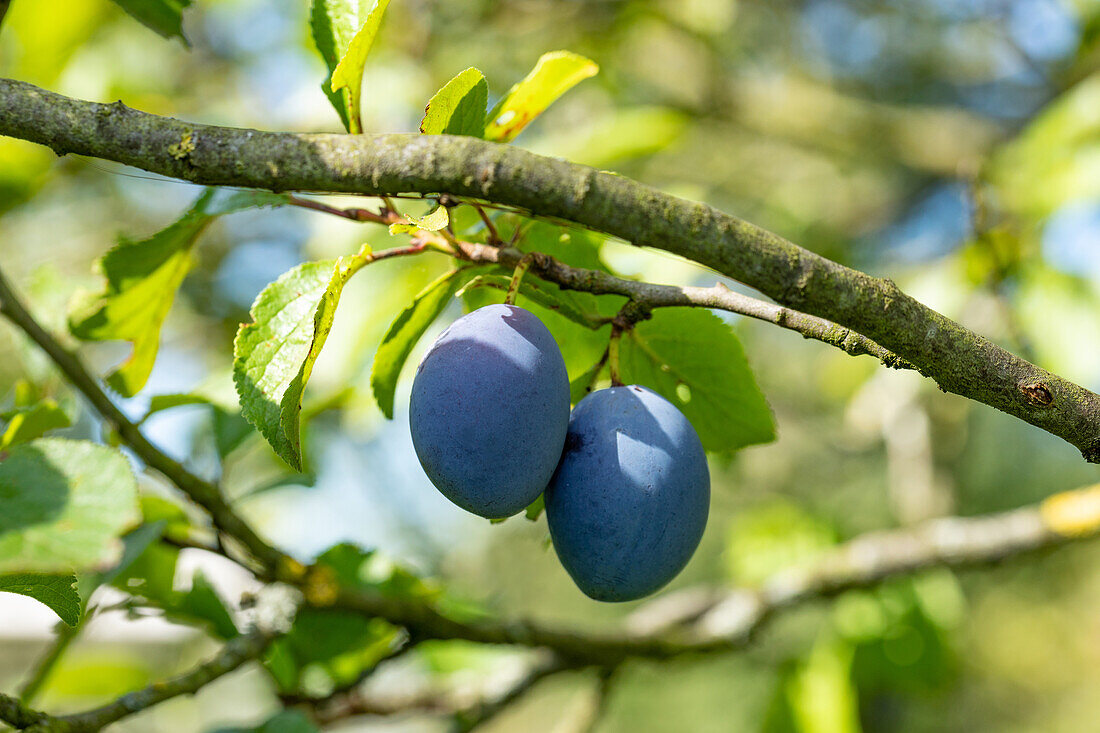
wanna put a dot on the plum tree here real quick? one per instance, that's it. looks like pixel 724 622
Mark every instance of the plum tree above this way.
pixel 629 501
pixel 490 410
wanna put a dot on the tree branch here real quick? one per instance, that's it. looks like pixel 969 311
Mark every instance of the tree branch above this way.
pixel 959 360
pixel 871 558
pixel 202 492
pixel 235 653
pixel 650 295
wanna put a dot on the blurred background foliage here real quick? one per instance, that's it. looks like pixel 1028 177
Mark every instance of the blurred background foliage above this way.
pixel 953 145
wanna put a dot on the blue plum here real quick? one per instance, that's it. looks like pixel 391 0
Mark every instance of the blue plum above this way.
pixel 628 503
pixel 490 409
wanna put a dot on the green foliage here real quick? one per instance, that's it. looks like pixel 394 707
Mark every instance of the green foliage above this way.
pixel 163 16
pixel 694 360
pixel 772 537
pixel 555 73
pixel 65 504
pixel 274 355
pixel 433 221
pixel 56 590
pixel 27 423
pixel 458 108
pixel 406 330
pixel 142 279
pixel 344 31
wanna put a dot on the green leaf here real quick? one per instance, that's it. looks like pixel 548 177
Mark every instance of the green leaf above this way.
pixel 555 73
pixel 580 385
pixel 433 221
pixel 348 74
pixel 58 591
pixel 28 423
pixel 274 355
pixel 459 107
pixel 534 511
pixel 65 504
pixel 142 279
pixel 163 16
pixel 405 331
pixel 544 293
pixel 692 358
pixel 203 604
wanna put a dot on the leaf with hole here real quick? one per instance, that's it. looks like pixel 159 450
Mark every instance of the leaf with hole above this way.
pixel 458 108
pixel 692 358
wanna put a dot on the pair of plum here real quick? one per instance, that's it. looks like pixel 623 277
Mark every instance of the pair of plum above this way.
pixel 627 490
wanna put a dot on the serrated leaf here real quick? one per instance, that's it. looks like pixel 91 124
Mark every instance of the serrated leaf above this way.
pixel 65 504
pixel 555 73
pixel 163 16
pixel 692 358
pixel 27 423
pixel 405 331
pixel 348 74
pixel 274 355
pixel 142 279
pixel 458 108
pixel 58 591
pixel 433 221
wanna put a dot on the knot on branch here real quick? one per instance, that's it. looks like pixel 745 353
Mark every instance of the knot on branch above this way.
pixel 1037 394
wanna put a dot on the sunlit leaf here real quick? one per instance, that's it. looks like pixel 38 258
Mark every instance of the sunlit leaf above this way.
pixel 348 73
pixel 433 221
pixel 27 423
pixel 459 107
pixel 274 355
pixel 58 591
pixel 142 279
pixel 555 73
pixel 65 504
pixel 163 16
pixel 694 360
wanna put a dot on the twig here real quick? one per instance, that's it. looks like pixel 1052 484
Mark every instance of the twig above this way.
pixel 650 295
pixel 235 653
pixel 201 491
pixel 494 237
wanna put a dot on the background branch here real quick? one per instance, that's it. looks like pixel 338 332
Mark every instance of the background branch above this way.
pixel 959 360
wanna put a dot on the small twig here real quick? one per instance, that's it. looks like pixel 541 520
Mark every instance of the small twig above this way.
pixel 494 237
pixel 517 278
pixel 481 713
pixel 604 684
pixel 201 491
pixel 353 214
pixel 613 353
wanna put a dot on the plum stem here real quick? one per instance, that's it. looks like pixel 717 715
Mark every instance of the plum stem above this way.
pixel 613 354
pixel 522 267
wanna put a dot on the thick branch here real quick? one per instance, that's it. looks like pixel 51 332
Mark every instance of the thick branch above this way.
pixel 959 360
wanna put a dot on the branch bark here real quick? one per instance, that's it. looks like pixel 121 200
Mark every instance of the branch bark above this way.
pixel 959 360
